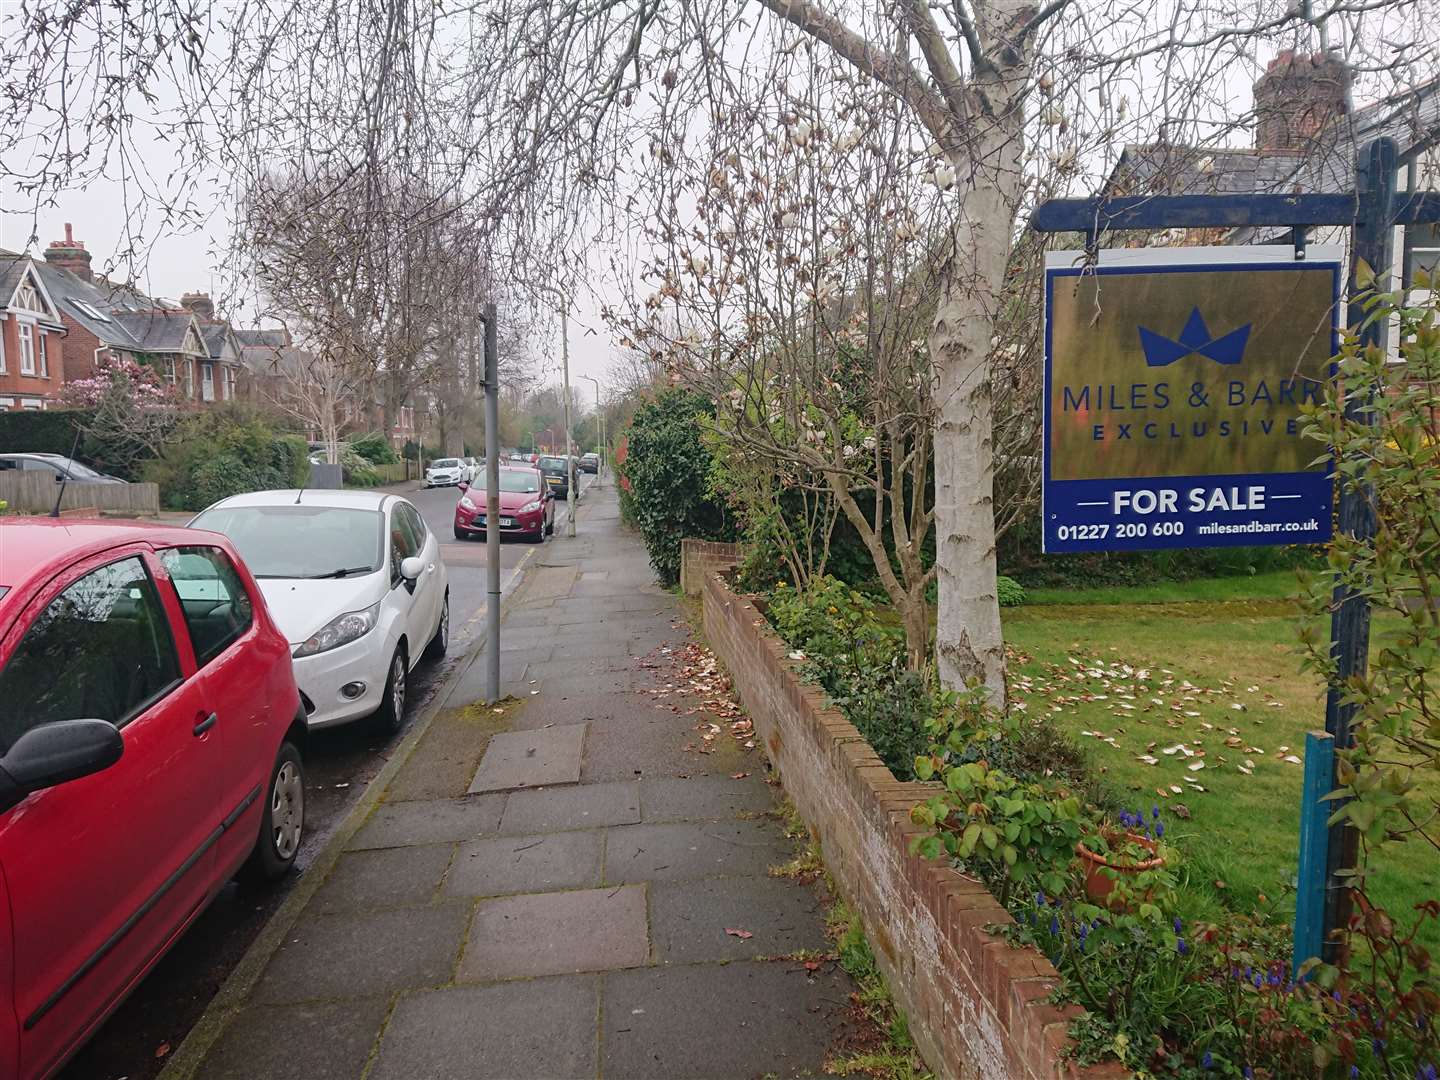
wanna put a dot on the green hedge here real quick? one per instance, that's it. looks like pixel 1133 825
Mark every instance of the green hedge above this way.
pixel 667 466
pixel 226 452
pixel 49 432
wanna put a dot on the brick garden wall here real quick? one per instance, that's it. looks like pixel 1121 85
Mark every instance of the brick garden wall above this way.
pixel 976 1006
pixel 701 558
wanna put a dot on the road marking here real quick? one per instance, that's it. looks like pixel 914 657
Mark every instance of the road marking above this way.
pixel 503 589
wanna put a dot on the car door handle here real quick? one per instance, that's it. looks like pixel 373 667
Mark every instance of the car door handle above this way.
pixel 206 724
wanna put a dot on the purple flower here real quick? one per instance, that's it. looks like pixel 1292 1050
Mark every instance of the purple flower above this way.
pixel 1377 1046
pixel 1207 1062
pixel 1425 1072
pixel 1181 947
pixel 1258 980
pixel 1354 1071
pixel 1155 812
pixel 1054 925
pixel 1178 924
pixel 1249 1073
pixel 1159 830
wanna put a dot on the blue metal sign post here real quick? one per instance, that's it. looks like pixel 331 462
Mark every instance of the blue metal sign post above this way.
pixel 1371 211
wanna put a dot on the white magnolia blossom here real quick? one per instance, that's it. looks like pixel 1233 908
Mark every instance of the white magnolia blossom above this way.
pixel 868 442
pixel 849 451
pixel 944 177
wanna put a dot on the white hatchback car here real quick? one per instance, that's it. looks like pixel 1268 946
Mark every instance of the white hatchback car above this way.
pixel 446 472
pixel 355 581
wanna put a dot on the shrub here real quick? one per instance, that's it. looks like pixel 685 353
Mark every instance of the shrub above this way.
pixel 374 448
pixel 224 452
pixel 667 467
pixel 1009 592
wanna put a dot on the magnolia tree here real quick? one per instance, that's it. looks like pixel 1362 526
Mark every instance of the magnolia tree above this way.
pixel 132 412
pixel 794 279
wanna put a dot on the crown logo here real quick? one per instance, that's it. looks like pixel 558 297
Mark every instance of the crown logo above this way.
pixel 1161 351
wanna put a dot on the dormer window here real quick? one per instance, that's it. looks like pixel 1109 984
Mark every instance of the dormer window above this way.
pixel 90 311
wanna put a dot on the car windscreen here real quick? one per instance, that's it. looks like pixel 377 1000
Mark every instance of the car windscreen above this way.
pixel 444 463
pixel 552 464
pixel 512 480
pixel 76 469
pixel 300 541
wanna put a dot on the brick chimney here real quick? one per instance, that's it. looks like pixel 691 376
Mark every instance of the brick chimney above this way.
pixel 200 303
pixel 69 254
pixel 1297 98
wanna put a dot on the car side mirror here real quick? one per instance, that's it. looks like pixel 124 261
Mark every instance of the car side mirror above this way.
pixel 54 753
pixel 464 486
pixel 412 568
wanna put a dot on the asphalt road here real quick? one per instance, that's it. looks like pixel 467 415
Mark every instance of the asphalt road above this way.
pixel 140 1034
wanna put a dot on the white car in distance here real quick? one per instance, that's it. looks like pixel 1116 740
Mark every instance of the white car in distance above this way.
pixel 446 472
pixel 355 581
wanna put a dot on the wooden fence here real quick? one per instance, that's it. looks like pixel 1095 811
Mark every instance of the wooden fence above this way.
pixel 33 492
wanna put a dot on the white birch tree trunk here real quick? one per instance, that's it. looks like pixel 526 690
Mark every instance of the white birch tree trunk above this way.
pixel 968 641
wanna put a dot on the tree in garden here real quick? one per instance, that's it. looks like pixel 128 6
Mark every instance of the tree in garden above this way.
pixel 799 304
pixel 132 412
pixel 1392 449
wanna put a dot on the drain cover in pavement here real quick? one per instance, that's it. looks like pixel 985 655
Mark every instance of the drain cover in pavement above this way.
pixel 524 759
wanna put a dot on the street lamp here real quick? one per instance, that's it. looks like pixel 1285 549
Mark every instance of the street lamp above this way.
pixel 600 412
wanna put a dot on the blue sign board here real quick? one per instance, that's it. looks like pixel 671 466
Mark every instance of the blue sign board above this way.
pixel 1174 384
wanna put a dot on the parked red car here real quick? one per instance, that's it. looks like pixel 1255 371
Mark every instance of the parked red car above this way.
pixel 148 751
pixel 527 507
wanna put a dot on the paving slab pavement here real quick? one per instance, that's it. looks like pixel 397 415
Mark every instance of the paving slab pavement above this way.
pixel 568 888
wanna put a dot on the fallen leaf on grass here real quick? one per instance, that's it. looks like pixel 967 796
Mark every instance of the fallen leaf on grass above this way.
pixel 738 775
pixel 743 935
pixel 1293 759
pixel 162 1050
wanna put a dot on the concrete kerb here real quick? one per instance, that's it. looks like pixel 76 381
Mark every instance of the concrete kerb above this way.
pixel 235 991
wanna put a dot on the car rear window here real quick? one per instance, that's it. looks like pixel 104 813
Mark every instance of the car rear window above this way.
pixel 444 463
pixel 553 463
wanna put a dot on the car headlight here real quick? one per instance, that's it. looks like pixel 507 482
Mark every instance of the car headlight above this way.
pixel 530 507
pixel 340 630
pixel 465 502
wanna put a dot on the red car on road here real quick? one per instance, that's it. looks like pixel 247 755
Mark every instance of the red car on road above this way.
pixel 527 508
pixel 148 729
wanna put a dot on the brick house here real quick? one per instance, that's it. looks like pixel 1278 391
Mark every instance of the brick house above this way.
pixel 32 338
pixel 1306 137
pixel 90 319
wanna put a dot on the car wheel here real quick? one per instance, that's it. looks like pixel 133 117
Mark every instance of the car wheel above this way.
pixel 441 641
pixel 461 534
pixel 390 717
pixel 282 821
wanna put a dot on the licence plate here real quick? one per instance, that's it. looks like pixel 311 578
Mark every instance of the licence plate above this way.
pixel 505 522
pixel 552 479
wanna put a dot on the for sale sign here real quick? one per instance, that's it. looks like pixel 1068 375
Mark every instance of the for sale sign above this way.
pixel 1174 382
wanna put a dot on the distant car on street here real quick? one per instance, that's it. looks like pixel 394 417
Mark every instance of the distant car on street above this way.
pixel 356 583
pixel 557 475
pixel 58 466
pixel 590 463
pixel 445 472
pixel 527 508
pixel 149 750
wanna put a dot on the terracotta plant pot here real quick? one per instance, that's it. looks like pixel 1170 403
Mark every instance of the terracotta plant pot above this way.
pixel 1101 874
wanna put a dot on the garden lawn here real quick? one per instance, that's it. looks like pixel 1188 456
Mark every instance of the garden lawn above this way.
pixel 1218 685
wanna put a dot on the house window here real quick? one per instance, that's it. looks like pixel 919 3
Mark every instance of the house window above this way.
pixel 1422 251
pixel 3 368
pixel 189 378
pixel 44 353
pixel 31 403
pixel 230 384
pixel 169 373
pixel 27 348
pixel 207 382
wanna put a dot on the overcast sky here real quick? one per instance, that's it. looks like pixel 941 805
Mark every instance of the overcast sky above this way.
pixel 193 261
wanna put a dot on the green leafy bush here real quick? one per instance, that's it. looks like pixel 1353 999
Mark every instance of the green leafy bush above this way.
pixel 374 448
pixel 224 452
pixel 1009 592
pixel 667 467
